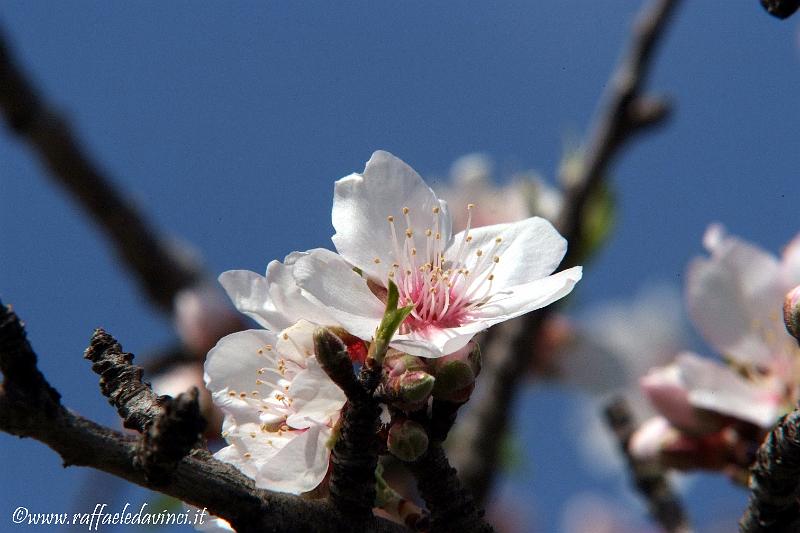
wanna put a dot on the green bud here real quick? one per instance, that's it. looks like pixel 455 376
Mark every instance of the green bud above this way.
pixel 454 381
pixel 414 387
pixel 407 440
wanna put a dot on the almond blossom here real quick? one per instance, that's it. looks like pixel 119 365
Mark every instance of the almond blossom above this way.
pixel 527 194
pixel 280 407
pixel 390 225
pixel 734 298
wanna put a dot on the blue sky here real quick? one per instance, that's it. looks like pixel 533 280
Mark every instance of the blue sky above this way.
pixel 227 123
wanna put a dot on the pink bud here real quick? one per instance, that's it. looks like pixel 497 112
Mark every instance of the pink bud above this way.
pixel 791 312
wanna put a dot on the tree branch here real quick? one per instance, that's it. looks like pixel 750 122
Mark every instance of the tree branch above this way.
pixel 355 455
pixel 161 270
pixel 451 506
pixel 508 347
pixel 30 407
pixel 649 478
pixel 774 486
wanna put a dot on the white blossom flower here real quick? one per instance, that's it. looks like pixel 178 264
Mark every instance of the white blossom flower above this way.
pixel 735 298
pixel 526 195
pixel 280 407
pixel 390 224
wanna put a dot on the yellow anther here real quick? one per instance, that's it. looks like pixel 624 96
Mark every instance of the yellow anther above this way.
pixel 242 395
pixel 390 218
pixel 498 240
pixel 438 235
pixel 259 382
pixel 470 206
pixel 428 232
pixel 469 238
pixel 232 393
pixel 409 233
pixel 286 336
pixel 377 260
pixel 254 393
pixel 479 253
pixel 248 455
pixel 413 251
pixel 435 210
pixel 405 210
pixel 496 259
pixel 491 277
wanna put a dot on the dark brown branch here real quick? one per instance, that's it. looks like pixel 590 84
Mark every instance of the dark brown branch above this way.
pixel 161 271
pixel 781 8
pixel 172 436
pixel 121 382
pixel 508 347
pixel 355 455
pixel 452 507
pixel 649 478
pixel 774 482
pixel 29 407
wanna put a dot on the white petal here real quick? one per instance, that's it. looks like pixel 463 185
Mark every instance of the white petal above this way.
pixel 315 397
pixel 733 296
pixel 518 300
pixel 233 455
pixel 248 292
pixel 232 369
pixel 300 465
pixel 437 342
pixel 342 293
pixel 718 388
pixel 296 342
pixel 362 203
pixel 529 250
pixel 275 302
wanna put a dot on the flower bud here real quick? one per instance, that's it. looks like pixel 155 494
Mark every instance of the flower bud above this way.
pixel 456 373
pixel 406 383
pixel 791 312
pixel 407 440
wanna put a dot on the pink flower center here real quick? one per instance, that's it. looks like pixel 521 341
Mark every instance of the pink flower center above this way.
pixel 443 290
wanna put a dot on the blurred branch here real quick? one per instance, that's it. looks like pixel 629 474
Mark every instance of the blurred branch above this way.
pixel 774 484
pixel 30 407
pixel 649 478
pixel 781 8
pixel 508 347
pixel 161 269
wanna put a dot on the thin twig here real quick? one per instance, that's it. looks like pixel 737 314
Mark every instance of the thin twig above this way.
pixel 649 478
pixel 30 407
pixel 160 268
pixel 507 349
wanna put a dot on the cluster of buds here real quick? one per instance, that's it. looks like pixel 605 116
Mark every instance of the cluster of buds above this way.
pixel 408 386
